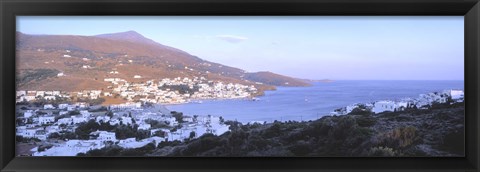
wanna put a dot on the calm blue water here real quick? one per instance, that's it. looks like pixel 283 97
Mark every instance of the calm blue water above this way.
pixel 306 103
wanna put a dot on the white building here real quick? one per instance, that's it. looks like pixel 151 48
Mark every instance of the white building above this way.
pixel 46 120
pixel 102 119
pixel 144 126
pixel 104 135
pixel 48 106
pixel 65 121
pixel 456 94
pixel 85 113
pixel 21 93
pixel 28 114
pixel 127 120
pixel 71 107
pixel 62 106
pixel 385 105
pixel 78 119
pixel 71 148
pixel 49 97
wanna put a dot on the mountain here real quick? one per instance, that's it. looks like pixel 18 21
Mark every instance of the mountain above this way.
pixel 130 36
pixel 87 60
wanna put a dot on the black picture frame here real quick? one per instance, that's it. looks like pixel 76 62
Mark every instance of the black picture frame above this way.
pixel 470 9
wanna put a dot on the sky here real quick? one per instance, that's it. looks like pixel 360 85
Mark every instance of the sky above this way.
pixel 308 47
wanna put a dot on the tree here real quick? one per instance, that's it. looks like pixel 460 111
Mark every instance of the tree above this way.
pixel 109 114
pixel 222 120
pixel 192 134
pixel 178 116
pixel 142 134
pixel 84 129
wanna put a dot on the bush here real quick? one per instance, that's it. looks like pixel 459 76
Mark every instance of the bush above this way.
pixel 361 110
pixel 203 144
pixel 42 148
pixel 381 152
pixel 343 128
pixel 301 148
pixel 178 116
pixel 399 137
pixel 366 121
pixel 273 131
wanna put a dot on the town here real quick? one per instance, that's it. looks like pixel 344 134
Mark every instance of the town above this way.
pixel 67 130
pixel 166 91
pixel 66 124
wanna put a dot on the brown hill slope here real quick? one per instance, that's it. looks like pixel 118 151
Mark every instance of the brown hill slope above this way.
pixel 87 60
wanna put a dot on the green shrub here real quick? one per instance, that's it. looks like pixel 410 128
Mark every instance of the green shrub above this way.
pixel 381 151
pixel 400 137
pixel 301 148
pixel 366 121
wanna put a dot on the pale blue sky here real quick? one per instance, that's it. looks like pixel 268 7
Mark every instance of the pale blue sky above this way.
pixel 313 47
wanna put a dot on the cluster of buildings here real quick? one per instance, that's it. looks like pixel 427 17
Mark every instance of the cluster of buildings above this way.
pixel 33 95
pixel 165 91
pixel 178 90
pixel 43 122
pixel 424 101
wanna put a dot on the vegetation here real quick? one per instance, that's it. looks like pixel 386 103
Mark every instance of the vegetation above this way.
pixel 27 75
pixel 178 116
pixel 97 101
pixel 416 132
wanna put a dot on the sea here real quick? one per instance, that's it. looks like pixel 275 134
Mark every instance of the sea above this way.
pixel 313 102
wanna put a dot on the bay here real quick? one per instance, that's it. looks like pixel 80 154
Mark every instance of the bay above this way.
pixel 309 103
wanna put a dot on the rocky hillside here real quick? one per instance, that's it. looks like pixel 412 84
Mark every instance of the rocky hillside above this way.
pixel 438 131
pixel 87 60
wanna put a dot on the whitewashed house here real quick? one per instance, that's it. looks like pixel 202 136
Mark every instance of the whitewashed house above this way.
pixel 71 107
pixel 48 106
pixel 62 112
pixel 127 120
pixel 21 93
pixel 62 106
pixel 114 122
pixel 85 113
pixel 456 94
pixel 46 120
pixel 28 98
pixel 65 121
pixel 104 119
pixel 104 135
pixel 40 94
pixel 49 97
pixel 144 127
pixel 384 105
pixel 78 119
pixel 28 114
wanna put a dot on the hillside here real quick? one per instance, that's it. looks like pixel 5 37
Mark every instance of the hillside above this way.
pixel 438 131
pixel 87 60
